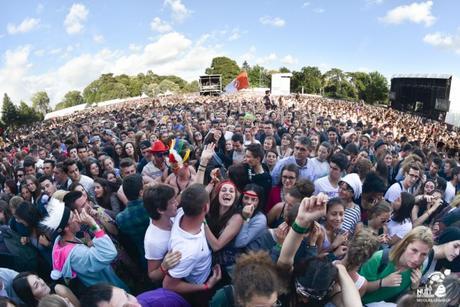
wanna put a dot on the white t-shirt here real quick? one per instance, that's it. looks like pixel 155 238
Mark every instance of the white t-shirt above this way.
pixel 195 264
pixel 320 169
pixel 324 185
pixel 399 229
pixel 156 242
pixel 450 192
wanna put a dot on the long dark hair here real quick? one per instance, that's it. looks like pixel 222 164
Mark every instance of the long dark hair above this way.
pixel 260 194
pixel 404 211
pixel 109 188
pixel 88 168
pixel 215 222
pixel 22 288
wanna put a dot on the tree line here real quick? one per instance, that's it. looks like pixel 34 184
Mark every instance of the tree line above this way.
pixel 335 83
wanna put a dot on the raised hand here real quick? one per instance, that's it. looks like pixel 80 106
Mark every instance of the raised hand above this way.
pixel 207 153
pixel 84 218
pixel 281 232
pixel 415 277
pixel 247 211
pixel 311 209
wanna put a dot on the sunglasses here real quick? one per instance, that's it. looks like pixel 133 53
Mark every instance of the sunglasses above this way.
pixel 315 294
pixel 161 154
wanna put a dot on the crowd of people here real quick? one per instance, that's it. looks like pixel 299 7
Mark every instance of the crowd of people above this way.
pixel 234 200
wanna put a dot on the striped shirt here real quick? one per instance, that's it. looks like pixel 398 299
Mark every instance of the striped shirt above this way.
pixel 351 217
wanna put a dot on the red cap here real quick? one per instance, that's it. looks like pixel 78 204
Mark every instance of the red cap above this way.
pixel 158 146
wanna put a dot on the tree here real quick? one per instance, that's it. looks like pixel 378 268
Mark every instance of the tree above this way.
pixel 360 81
pixel 377 90
pixel 225 67
pixel 71 98
pixel 28 115
pixel 246 66
pixel 259 77
pixel 105 88
pixel 310 78
pixel 337 85
pixel 284 70
pixel 167 86
pixel 41 102
pixel 9 111
pixel 192 87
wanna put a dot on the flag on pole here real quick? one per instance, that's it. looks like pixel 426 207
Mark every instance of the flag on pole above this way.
pixel 240 82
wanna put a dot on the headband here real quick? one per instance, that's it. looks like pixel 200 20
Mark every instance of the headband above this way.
pixel 251 194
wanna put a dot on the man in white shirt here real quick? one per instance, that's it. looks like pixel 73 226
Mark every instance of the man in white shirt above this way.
pixel 449 194
pixel 411 176
pixel 71 169
pixel 193 273
pixel 329 184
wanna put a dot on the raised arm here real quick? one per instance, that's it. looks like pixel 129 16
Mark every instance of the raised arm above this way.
pixel 310 210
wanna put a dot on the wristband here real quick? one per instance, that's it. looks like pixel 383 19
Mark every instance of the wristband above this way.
pixel 299 229
pixel 380 283
pixel 163 270
pixel 206 287
pixel 94 228
pixel 203 166
pixel 278 247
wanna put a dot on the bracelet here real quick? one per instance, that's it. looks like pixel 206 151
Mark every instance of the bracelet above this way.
pixel 94 228
pixel 163 270
pixel 203 166
pixel 299 229
pixel 206 287
pixel 278 246
pixel 380 283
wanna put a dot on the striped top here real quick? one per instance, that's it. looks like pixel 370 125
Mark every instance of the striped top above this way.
pixel 351 217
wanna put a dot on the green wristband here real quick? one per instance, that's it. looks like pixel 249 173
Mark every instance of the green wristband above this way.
pixel 94 228
pixel 299 229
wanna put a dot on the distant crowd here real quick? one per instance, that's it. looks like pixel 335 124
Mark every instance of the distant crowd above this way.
pixel 236 200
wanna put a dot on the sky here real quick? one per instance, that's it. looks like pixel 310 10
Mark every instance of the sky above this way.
pixel 59 46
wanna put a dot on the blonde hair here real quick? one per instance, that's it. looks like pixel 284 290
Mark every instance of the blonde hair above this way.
pixel 419 233
pixel 52 300
pixel 455 202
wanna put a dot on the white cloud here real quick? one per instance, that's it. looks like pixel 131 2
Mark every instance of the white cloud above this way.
pixel 75 18
pixel 376 2
pixel 272 21
pixel 305 4
pixel 443 41
pixel 40 8
pixel 134 47
pixel 55 51
pixel 235 34
pixel 414 12
pixel 266 60
pixel 319 10
pixel 178 10
pixel 289 60
pixel 249 55
pixel 26 25
pixel 159 25
pixel 39 52
pixel 172 53
pixel 98 38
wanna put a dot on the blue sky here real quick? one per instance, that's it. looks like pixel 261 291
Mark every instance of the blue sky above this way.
pixel 59 46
